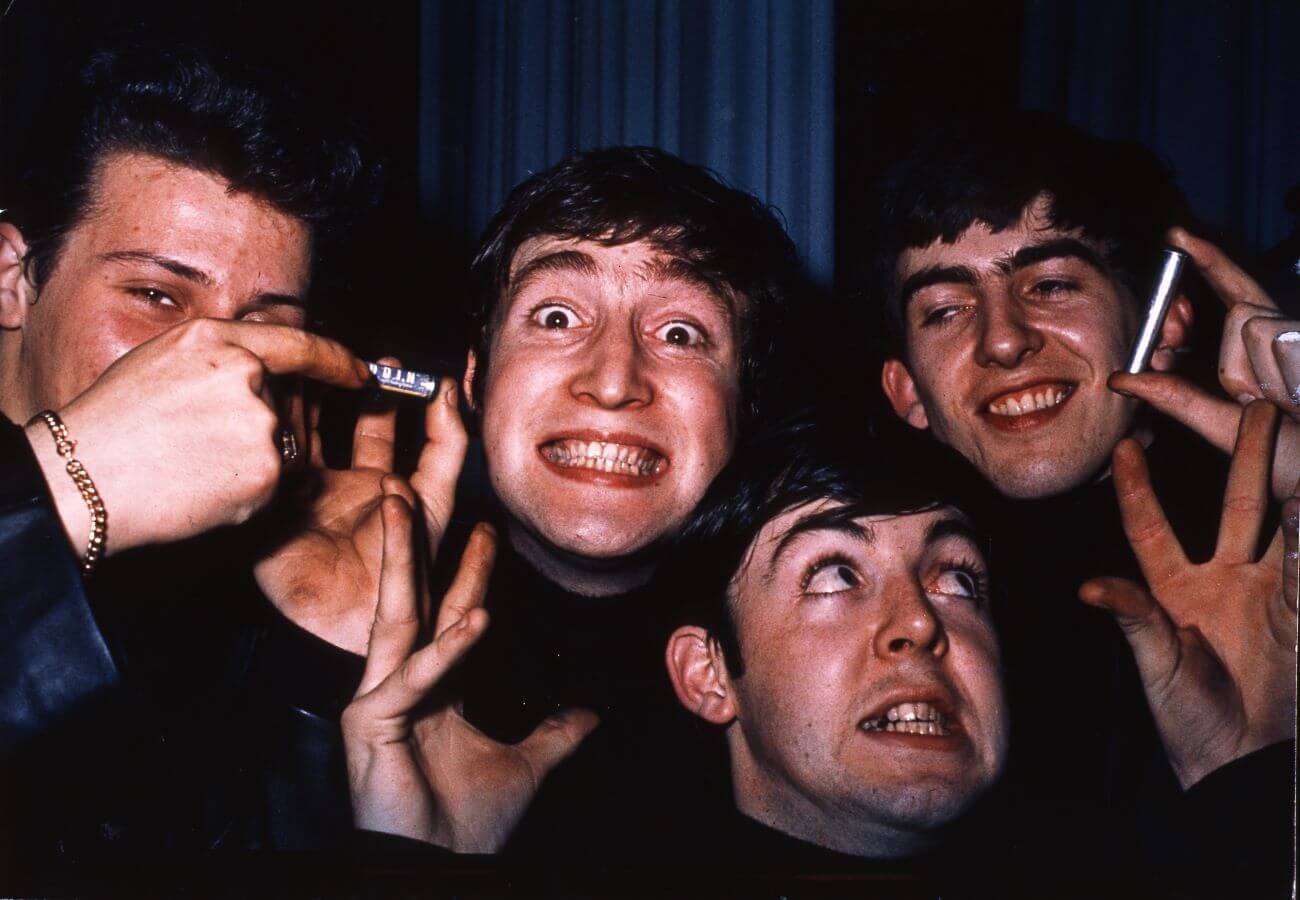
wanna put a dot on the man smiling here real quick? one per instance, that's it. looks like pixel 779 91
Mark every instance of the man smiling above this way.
pixel 1012 257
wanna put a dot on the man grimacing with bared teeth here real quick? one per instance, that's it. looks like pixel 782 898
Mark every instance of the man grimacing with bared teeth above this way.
pixel 626 304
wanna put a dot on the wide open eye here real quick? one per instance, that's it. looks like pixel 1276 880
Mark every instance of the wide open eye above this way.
pixel 830 576
pixel 554 316
pixel 680 334
pixel 958 582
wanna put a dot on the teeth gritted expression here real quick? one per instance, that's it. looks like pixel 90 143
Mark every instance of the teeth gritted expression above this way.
pixel 910 718
pixel 604 456
pixel 1020 403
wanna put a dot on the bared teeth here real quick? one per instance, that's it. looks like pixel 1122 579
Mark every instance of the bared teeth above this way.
pixel 604 456
pixel 916 717
pixel 1029 401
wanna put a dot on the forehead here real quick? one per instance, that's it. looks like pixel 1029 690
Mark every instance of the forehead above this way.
pixel 143 202
pixel 981 248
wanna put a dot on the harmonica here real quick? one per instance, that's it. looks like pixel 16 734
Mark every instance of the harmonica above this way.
pixel 404 381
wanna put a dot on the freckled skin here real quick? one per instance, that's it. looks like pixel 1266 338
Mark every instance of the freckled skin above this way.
pixel 1004 334
pixel 817 664
pixel 86 315
pixel 612 371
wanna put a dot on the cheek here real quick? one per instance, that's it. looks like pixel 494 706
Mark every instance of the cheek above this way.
pixel 80 344
pixel 705 403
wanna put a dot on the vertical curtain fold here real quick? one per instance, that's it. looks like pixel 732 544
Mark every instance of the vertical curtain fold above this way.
pixel 745 88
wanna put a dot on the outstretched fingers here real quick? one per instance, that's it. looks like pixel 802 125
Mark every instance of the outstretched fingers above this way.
pixel 471 583
pixel 1150 632
pixel 1158 552
pixel 397 620
pixel 1212 418
pixel 404 688
pixel 440 462
pixel 1245 499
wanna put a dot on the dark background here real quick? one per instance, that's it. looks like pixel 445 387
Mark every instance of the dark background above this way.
pixel 462 99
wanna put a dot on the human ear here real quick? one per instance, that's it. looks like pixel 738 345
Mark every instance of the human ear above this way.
pixel 467 383
pixel 1175 333
pixel 903 397
pixel 699 676
pixel 16 291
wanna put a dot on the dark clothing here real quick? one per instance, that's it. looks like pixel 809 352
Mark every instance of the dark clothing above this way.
pixel 1088 787
pixel 153 708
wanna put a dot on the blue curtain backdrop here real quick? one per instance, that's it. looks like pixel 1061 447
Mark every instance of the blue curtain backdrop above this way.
pixel 1212 86
pixel 744 87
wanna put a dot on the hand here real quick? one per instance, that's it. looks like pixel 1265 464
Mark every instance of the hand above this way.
pixel 1253 364
pixel 325 577
pixel 180 435
pixel 424 772
pixel 1215 646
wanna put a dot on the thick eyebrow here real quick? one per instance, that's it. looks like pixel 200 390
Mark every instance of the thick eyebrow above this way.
pixel 952 526
pixel 814 522
pixel 674 269
pixel 560 261
pixel 932 275
pixel 1057 248
pixel 176 267
pixel 198 276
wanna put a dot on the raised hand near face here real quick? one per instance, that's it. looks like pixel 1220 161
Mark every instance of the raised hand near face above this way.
pixel 1259 358
pixel 416 767
pixel 325 577
pixel 180 434
pixel 1215 642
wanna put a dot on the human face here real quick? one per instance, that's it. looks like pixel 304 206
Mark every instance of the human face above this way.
pixel 842 630
pixel 1010 340
pixel 162 244
pixel 611 399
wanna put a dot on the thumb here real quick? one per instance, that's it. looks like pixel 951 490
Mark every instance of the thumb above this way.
pixel 1150 632
pixel 556 738
pixel 1211 417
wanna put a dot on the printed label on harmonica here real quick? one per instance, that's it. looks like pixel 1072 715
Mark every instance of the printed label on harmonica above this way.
pixel 404 381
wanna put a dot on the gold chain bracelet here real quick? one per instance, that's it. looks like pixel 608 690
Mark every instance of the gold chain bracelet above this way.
pixel 81 478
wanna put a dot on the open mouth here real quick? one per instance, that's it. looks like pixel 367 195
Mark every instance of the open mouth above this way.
pixel 610 457
pixel 912 717
pixel 1033 399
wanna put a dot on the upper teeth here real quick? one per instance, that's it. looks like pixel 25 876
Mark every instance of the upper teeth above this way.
pixel 911 718
pixel 1028 401
pixel 604 456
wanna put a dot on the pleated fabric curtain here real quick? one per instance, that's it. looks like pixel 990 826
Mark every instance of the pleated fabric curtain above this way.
pixel 1212 85
pixel 744 87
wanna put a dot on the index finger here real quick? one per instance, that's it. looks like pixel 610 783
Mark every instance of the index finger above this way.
pixel 1158 552
pixel 1227 279
pixel 291 351
pixel 1246 497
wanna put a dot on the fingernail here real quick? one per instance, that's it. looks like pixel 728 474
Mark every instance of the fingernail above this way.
pixel 1245 399
pixel 1288 337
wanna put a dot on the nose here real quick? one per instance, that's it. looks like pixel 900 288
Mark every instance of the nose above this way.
pixel 909 624
pixel 1006 335
pixel 615 372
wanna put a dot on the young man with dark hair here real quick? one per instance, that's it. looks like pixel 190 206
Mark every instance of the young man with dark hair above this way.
pixel 628 309
pixel 156 260
pixel 1011 263
pixel 838 629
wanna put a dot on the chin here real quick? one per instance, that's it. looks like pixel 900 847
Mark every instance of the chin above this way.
pixel 596 539
pixel 1042 479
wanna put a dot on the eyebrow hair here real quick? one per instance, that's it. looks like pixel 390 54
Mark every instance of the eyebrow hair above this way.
pixel 1057 248
pixel 677 269
pixel 198 276
pixel 559 261
pixel 176 267
pixel 952 526
pixel 822 521
pixel 932 275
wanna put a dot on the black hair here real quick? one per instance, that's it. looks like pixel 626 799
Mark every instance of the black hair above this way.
pixel 991 169
pixel 198 109
pixel 792 464
pixel 617 195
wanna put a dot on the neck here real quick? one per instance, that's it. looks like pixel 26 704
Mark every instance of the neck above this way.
pixel 845 829
pixel 578 574
pixel 14 399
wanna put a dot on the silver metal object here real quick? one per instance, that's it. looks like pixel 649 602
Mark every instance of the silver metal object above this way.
pixel 1162 294
pixel 404 381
